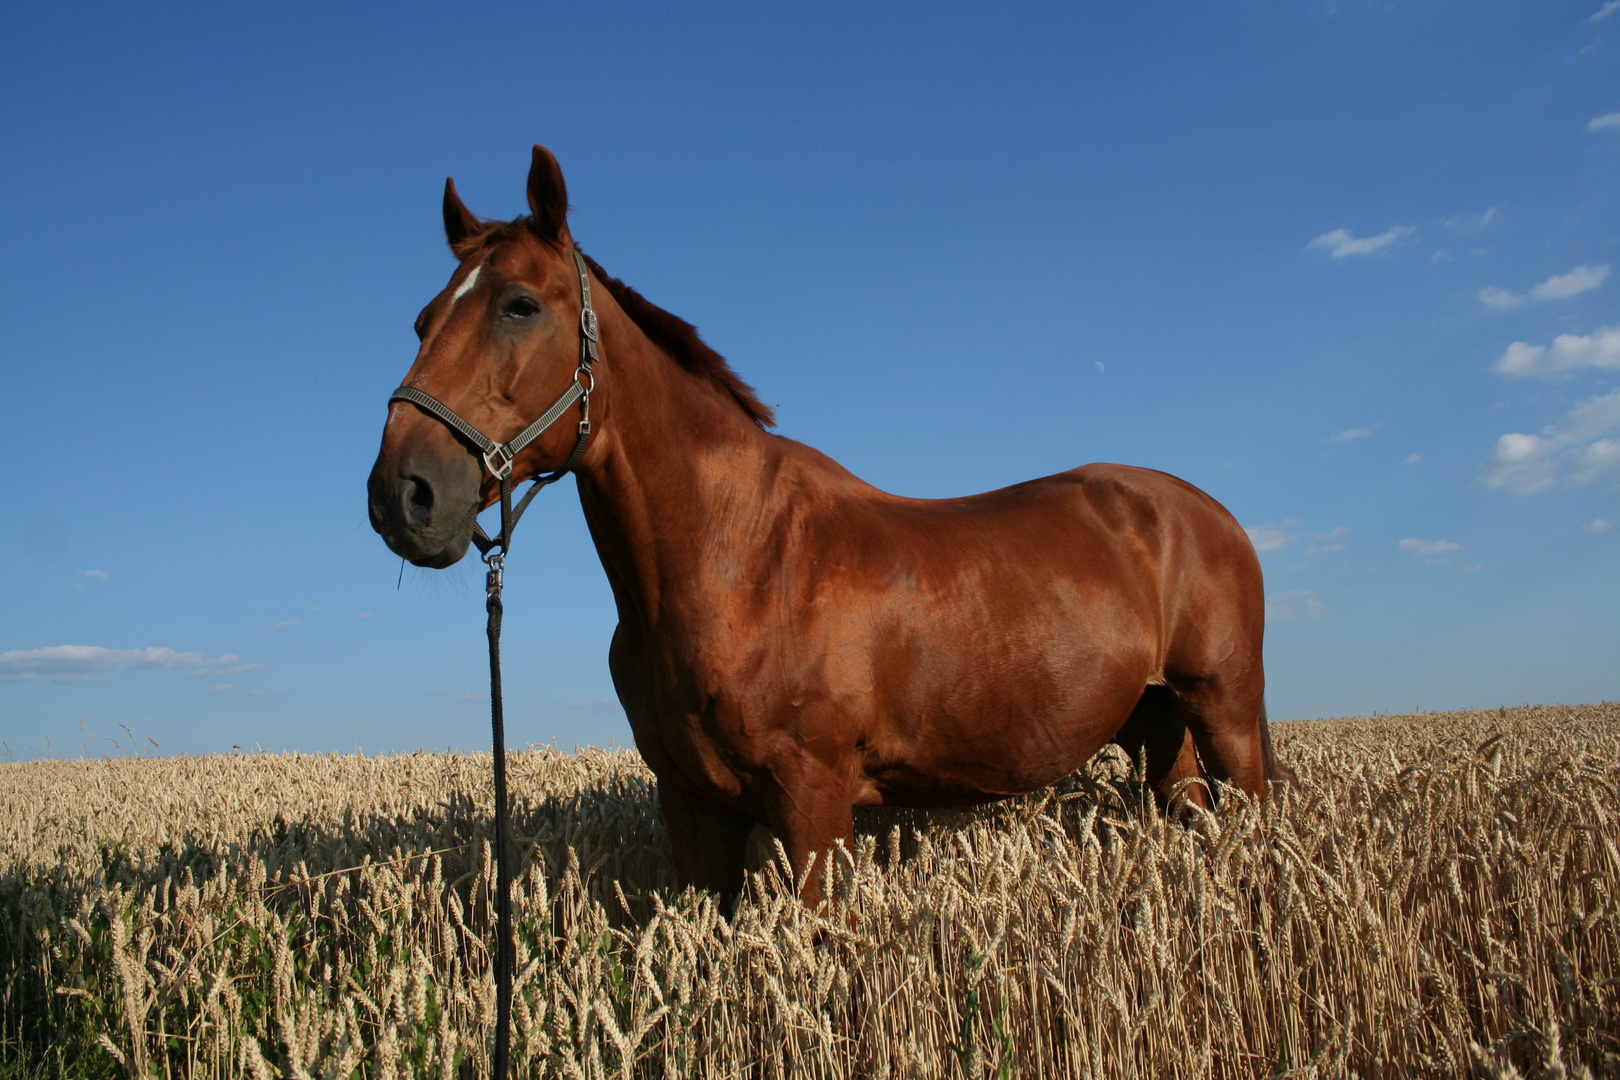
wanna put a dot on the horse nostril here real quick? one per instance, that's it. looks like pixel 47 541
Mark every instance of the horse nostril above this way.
pixel 416 497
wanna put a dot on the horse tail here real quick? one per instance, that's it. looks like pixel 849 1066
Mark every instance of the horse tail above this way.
pixel 1276 771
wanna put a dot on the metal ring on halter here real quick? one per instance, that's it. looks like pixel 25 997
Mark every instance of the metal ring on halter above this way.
pixel 588 387
pixel 505 457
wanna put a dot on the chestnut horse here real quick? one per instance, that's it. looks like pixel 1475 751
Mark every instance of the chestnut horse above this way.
pixel 793 642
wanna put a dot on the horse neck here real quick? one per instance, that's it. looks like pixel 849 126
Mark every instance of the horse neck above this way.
pixel 679 465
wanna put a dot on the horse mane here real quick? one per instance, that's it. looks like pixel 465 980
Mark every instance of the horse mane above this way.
pixel 673 334
pixel 681 340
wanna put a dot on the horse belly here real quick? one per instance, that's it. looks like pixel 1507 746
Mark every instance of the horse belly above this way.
pixel 984 717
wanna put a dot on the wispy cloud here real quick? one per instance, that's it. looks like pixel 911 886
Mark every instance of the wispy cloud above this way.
pixel 1609 8
pixel 1606 122
pixel 1325 546
pixel 229 664
pixel 99 575
pixel 1270 537
pixel 288 624
pixel 1568 352
pixel 1598 525
pixel 1350 435
pixel 1342 242
pixel 1579 280
pixel 74 663
pixel 1469 223
pixel 1570 453
pixel 1429 548
pixel 1297 606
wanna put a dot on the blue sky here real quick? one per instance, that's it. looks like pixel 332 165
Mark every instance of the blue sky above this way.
pixel 1346 266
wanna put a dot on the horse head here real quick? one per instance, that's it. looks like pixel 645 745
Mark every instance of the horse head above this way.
pixel 499 343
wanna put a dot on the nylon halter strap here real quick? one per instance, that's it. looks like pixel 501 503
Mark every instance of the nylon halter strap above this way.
pixel 498 457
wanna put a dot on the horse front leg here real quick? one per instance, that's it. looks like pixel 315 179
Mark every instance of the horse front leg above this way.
pixel 709 842
pixel 810 808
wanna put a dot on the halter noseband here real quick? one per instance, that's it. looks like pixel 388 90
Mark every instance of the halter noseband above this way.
pixel 498 457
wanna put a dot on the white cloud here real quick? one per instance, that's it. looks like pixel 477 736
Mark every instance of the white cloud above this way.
pixel 1298 606
pixel 1568 352
pixel 1468 223
pixel 1101 367
pixel 288 624
pixel 229 664
pixel 74 663
pixel 1571 452
pixel 1604 122
pixel 68 663
pixel 99 575
pixel 1609 8
pixel 1579 280
pixel 1428 547
pixel 1270 537
pixel 1342 242
pixel 1597 525
pixel 1413 459
pixel 1349 436
pixel 368 615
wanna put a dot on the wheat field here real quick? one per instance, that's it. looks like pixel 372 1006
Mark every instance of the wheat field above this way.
pixel 1434 898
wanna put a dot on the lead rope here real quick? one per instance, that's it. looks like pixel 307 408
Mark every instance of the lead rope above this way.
pixel 498 458
pixel 504 950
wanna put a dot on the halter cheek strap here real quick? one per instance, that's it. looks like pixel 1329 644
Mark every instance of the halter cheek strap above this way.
pixel 498 457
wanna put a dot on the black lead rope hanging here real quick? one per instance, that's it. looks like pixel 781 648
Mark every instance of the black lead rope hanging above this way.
pixel 504 948
pixel 498 458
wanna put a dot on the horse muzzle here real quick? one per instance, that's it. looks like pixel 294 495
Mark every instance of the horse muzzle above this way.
pixel 424 508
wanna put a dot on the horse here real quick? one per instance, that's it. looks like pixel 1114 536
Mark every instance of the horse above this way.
pixel 792 641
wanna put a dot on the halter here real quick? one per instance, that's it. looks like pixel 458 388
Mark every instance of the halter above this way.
pixel 498 459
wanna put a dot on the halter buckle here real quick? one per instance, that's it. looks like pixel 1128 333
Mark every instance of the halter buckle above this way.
pixel 498 453
pixel 588 324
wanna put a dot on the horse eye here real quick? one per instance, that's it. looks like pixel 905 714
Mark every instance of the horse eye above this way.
pixel 520 308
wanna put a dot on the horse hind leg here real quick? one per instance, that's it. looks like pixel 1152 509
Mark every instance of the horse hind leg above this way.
pixel 1228 725
pixel 1157 736
pixel 1276 771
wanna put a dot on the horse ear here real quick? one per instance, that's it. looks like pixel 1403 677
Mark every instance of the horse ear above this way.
pixel 459 222
pixel 548 196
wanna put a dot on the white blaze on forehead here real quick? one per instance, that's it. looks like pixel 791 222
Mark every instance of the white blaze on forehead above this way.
pixel 466 286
